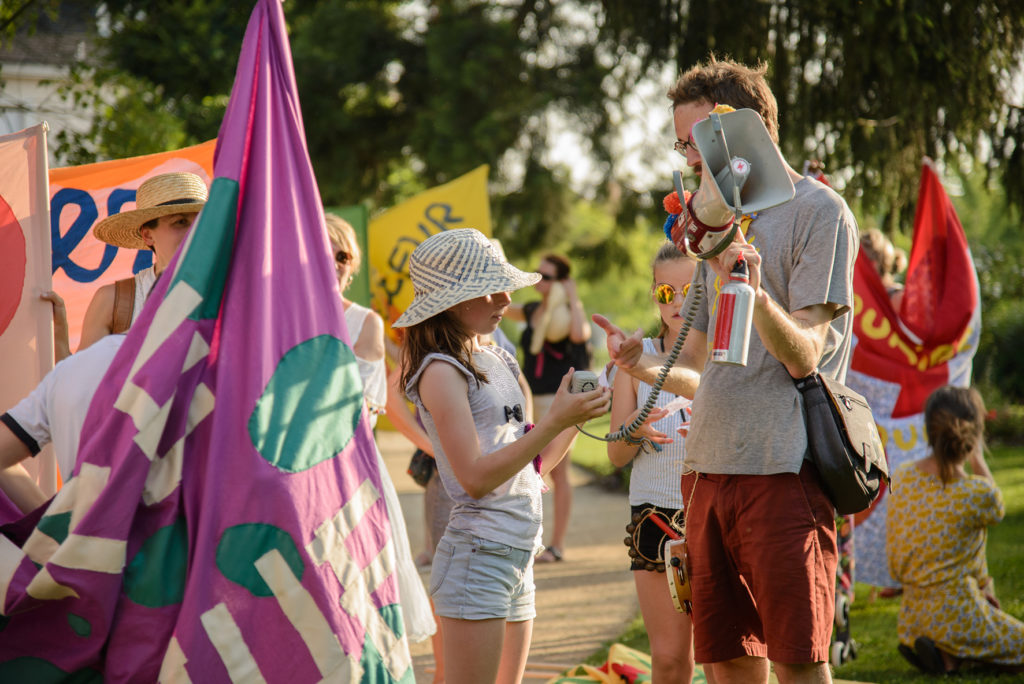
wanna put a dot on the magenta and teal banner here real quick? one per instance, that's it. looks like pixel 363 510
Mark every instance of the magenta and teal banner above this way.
pixel 225 522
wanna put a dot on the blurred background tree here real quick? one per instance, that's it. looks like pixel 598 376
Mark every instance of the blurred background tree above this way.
pixel 398 96
pixel 438 87
pixel 868 87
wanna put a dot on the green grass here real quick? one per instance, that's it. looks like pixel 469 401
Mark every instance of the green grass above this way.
pixel 873 624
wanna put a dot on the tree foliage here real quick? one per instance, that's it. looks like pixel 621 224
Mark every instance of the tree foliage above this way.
pixel 22 15
pixel 400 95
pixel 869 87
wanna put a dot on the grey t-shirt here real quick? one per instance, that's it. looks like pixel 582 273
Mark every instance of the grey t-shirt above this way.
pixel 749 420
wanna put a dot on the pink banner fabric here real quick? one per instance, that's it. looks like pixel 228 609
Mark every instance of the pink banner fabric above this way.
pixel 26 321
pixel 225 522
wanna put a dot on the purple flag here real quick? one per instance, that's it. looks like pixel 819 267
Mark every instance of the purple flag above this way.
pixel 225 521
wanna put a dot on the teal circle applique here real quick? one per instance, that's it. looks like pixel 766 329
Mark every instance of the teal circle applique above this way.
pixel 56 526
pixel 80 625
pixel 39 671
pixel 373 664
pixel 311 406
pixel 155 576
pixel 242 545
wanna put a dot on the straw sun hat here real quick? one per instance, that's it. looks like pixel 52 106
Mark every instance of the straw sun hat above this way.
pixel 163 195
pixel 454 266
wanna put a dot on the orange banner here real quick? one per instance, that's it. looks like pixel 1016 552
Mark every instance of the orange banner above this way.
pixel 82 195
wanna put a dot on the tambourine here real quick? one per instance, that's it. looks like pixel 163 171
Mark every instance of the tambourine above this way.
pixel 677 571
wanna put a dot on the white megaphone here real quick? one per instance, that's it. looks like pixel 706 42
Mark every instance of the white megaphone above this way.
pixel 743 172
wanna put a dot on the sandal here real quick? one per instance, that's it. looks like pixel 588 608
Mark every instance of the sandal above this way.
pixel 929 656
pixel 551 554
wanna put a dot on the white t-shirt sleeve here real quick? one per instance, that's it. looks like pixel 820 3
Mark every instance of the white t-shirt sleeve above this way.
pixel 32 414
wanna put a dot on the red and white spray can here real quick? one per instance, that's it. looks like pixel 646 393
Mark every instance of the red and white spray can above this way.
pixel 735 313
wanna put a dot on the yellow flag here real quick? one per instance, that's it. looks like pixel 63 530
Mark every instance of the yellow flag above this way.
pixel 461 203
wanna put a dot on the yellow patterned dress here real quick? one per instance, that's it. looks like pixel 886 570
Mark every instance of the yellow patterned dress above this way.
pixel 936 546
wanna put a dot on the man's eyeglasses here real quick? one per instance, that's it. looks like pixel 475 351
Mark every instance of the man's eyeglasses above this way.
pixel 342 257
pixel 682 146
pixel 666 294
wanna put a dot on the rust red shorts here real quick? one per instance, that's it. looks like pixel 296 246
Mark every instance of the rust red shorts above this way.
pixel 763 555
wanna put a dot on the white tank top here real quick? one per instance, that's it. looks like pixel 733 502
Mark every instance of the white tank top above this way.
pixel 144 281
pixel 374 374
pixel 656 475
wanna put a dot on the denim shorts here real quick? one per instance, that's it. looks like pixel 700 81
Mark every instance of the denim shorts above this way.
pixel 476 579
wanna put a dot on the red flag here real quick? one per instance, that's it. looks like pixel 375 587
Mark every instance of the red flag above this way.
pixel 898 360
pixel 940 292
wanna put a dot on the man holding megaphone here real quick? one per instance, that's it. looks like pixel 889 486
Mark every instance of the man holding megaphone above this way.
pixel 759 528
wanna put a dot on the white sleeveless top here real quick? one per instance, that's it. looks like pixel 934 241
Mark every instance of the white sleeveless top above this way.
pixel 655 478
pixel 144 281
pixel 374 374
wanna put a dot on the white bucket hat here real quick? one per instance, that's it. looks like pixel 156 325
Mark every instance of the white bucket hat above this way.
pixel 163 195
pixel 454 266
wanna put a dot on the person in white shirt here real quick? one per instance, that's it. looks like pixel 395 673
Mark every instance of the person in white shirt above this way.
pixel 55 412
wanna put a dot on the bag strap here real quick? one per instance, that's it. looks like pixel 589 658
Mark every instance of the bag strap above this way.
pixel 811 381
pixel 124 305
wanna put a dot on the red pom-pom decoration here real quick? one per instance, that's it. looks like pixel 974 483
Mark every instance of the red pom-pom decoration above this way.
pixel 671 203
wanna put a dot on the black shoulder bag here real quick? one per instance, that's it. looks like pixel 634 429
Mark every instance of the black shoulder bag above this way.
pixel 421 467
pixel 844 443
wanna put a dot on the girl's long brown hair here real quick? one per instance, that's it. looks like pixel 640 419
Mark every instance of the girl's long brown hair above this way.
pixel 954 418
pixel 442 333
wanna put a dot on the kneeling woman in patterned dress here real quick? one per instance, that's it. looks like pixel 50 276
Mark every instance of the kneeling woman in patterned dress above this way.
pixel 937 526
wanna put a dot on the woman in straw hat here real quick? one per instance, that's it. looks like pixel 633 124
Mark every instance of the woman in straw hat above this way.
pixel 165 208
pixel 554 340
pixel 482 575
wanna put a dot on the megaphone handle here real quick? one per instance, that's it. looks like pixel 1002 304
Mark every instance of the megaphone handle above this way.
pixel 716 124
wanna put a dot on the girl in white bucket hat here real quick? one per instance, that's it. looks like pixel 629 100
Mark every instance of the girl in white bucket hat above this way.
pixel 482 574
pixel 166 206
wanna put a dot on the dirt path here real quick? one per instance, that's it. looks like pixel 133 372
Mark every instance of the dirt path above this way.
pixel 583 602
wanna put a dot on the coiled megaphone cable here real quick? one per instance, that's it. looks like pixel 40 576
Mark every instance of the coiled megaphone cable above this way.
pixel 626 432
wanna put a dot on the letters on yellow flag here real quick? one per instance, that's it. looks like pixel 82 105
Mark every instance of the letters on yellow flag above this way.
pixel 393 235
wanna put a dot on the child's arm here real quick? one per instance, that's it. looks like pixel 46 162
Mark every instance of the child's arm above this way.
pixel 624 412
pixel 623 404
pixel 443 389
pixel 401 417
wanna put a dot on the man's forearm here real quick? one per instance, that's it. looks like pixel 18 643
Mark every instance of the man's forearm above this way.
pixel 797 343
pixel 681 380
